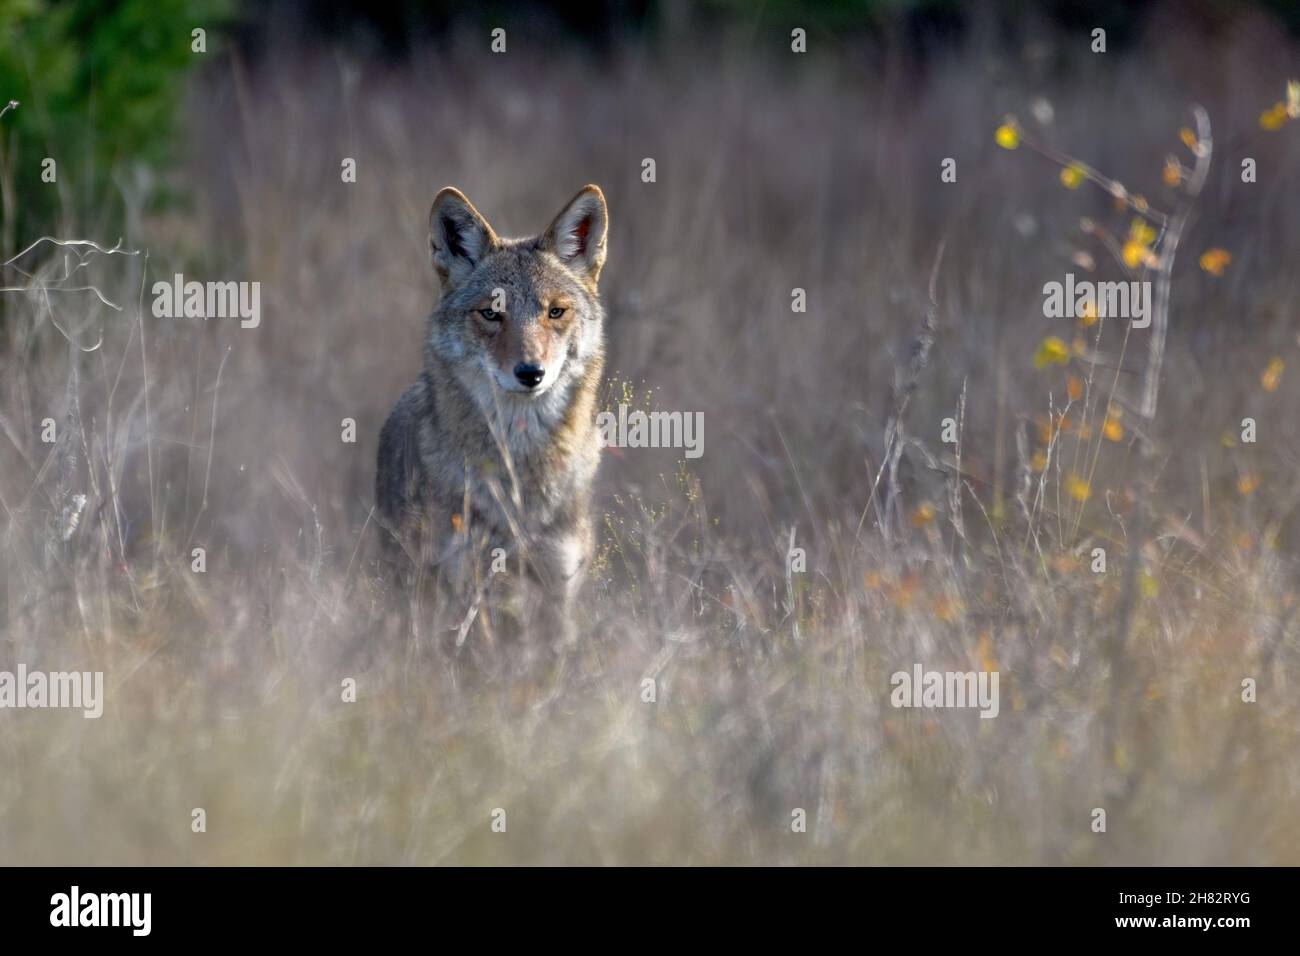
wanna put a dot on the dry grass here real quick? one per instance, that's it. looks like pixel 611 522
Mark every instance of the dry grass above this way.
pixel 774 172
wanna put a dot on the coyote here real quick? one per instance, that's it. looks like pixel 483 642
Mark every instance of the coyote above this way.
pixel 495 446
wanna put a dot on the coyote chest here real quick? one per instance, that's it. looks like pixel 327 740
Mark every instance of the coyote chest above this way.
pixel 519 468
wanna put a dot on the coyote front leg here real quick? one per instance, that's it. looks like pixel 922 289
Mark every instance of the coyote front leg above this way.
pixel 560 568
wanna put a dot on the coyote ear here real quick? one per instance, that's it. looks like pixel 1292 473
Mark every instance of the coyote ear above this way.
pixel 577 237
pixel 458 236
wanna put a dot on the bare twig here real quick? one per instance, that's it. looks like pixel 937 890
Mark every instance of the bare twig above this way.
pixel 921 346
pixel 1117 641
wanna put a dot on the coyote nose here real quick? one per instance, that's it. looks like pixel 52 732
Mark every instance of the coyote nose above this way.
pixel 529 375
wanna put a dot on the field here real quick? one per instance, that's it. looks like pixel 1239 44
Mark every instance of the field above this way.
pixel 823 430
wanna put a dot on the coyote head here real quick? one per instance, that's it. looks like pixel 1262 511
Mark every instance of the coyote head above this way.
pixel 519 318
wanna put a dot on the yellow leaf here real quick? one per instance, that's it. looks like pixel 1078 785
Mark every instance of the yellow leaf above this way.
pixel 1140 231
pixel 1120 755
pixel 1149 585
pixel 1214 261
pixel 1272 376
pixel 1172 173
pixel 1074 388
pixel 1008 134
pixel 1188 137
pixel 1247 484
pixel 1039 461
pixel 1112 429
pixel 1072 176
pixel 987 658
pixel 1052 351
pixel 1089 317
pixel 1272 119
pixel 1133 253
pixel 1077 488
pixel 923 515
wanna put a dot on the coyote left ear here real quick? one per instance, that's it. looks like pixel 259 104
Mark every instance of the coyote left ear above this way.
pixel 459 236
pixel 577 237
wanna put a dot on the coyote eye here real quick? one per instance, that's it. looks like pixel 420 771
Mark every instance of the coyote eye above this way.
pixel 490 315
pixel 557 312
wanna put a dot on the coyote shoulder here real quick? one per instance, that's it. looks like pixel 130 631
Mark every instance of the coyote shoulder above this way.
pixel 495 445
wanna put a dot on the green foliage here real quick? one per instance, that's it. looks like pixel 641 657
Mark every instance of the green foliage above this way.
pixel 99 87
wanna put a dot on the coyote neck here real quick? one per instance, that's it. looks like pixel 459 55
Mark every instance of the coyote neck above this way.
pixel 551 426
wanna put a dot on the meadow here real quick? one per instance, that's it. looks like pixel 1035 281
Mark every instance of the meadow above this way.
pixel 823 431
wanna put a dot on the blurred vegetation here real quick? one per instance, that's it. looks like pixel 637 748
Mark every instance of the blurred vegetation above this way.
pixel 99 88
pixel 99 83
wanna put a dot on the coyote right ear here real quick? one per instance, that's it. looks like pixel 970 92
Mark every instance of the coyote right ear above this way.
pixel 458 236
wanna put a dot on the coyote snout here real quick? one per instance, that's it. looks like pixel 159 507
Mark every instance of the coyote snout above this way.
pixel 530 374
pixel 496 446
